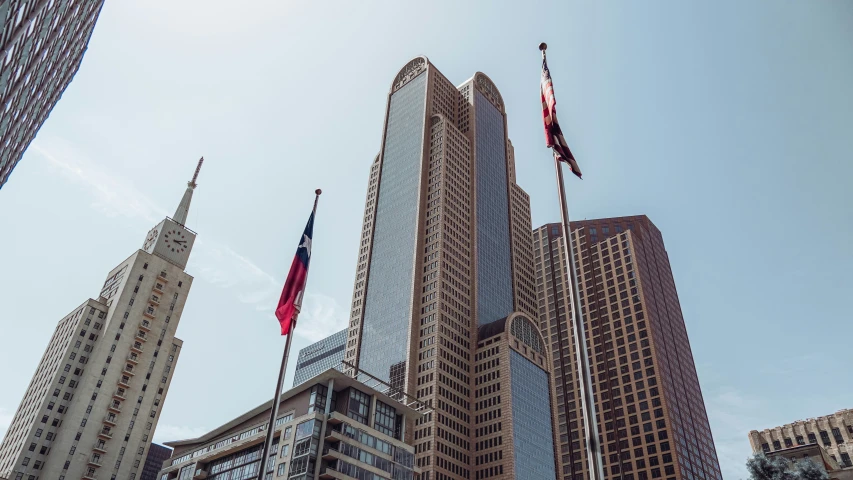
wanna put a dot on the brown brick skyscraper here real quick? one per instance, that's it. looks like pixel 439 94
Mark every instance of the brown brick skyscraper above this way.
pixel 651 414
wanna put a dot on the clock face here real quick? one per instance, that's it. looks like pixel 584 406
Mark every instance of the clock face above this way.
pixel 175 240
pixel 152 237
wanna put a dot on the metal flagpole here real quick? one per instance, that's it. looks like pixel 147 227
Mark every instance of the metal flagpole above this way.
pixel 279 384
pixel 593 445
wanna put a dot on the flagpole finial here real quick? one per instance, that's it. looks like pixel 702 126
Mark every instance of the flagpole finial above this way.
pixel 318 191
pixel 543 46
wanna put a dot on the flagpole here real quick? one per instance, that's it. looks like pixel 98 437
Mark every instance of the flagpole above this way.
pixel 593 446
pixel 280 382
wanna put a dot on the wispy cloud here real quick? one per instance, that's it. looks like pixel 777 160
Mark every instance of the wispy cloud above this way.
pixel 732 415
pixel 214 262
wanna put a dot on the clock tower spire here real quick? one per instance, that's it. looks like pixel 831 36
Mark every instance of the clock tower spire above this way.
pixel 171 239
pixel 184 207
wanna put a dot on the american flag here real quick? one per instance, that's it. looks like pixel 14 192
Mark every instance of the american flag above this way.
pixel 553 135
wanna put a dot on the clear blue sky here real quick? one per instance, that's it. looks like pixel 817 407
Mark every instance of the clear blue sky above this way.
pixel 730 124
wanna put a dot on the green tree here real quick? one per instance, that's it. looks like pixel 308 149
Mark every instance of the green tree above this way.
pixel 762 468
pixel 808 470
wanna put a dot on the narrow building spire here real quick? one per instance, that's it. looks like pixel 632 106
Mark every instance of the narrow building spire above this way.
pixel 184 207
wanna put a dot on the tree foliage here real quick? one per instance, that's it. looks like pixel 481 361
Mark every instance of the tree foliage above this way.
pixel 762 468
pixel 808 470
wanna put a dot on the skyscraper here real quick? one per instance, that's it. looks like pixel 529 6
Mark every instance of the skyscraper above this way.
pixel 444 283
pixel 651 414
pixel 95 399
pixel 319 357
pixel 43 45
pixel 157 454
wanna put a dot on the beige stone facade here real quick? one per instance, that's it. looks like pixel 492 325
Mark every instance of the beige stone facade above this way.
pixel 651 415
pixel 329 427
pixel 97 394
pixel 833 433
pixel 445 249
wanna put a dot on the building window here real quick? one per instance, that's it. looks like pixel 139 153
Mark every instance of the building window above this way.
pixel 788 443
pixel 765 448
pixel 317 402
pixel 285 450
pixel 800 440
pixel 359 406
pixel 845 459
pixel 282 469
pixel 812 438
pixel 777 445
pixel 824 437
pixel 385 419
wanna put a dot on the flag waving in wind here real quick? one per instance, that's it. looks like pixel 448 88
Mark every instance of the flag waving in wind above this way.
pixel 553 135
pixel 294 286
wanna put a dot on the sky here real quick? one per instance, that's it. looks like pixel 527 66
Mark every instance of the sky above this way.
pixel 730 124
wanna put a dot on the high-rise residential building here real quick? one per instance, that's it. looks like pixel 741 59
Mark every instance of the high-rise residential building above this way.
pixel 157 454
pixel 333 426
pixel 834 433
pixel 319 357
pixel 445 253
pixel 95 399
pixel 43 45
pixel 651 415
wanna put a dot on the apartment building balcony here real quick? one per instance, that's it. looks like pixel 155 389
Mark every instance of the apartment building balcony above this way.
pixel 128 370
pixel 120 394
pixel 115 407
pixel 90 476
pixel 95 462
pixel 145 325
pixel 137 347
pixel 110 419
pixel 133 358
pixel 150 313
pixel 142 336
pixel 105 434
pixel 100 447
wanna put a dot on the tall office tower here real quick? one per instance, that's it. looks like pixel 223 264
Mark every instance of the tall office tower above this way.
pixel 319 357
pixel 443 250
pixel 43 45
pixel 96 396
pixel 157 454
pixel 651 415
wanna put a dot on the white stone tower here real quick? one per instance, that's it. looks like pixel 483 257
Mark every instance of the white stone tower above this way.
pixel 94 401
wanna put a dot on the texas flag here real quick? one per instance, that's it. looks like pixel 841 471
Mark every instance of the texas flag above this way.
pixel 294 286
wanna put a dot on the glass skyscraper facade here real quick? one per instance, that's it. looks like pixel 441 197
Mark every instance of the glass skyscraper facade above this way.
pixel 445 252
pixel 533 439
pixel 319 357
pixel 43 45
pixel 389 300
pixel 494 264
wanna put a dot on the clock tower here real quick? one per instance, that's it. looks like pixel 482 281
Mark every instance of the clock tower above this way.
pixel 96 397
pixel 170 239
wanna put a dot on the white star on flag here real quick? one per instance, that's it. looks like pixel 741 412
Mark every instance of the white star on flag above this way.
pixel 306 244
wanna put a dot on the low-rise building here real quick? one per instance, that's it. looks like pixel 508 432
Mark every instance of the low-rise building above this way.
pixel 333 426
pixel 827 440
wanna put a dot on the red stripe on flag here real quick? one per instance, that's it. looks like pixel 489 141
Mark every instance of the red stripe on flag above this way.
pixel 290 293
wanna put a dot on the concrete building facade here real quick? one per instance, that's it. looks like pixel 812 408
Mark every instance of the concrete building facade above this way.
pixel 445 250
pixel 332 426
pixel 95 399
pixel 651 416
pixel 834 433
pixel 319 357
pixel 42 45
